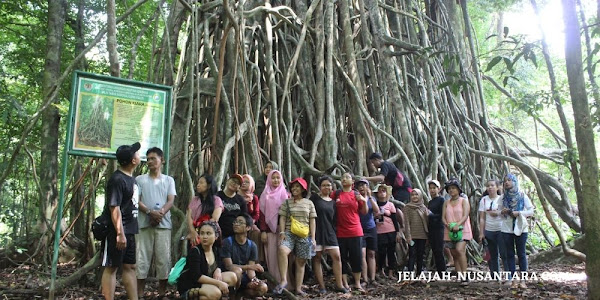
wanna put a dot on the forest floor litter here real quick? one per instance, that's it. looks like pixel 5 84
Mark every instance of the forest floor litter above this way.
pixel 554 281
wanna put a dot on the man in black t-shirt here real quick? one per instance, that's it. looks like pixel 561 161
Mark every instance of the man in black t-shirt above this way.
pixel 233 204
pixel 390 175
pixel 240 254
pixel 118 249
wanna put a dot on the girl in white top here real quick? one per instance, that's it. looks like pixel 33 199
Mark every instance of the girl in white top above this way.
pixel 490 221
pixel 515 208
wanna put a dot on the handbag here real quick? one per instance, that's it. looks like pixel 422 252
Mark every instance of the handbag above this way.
pixel 177 270
pixel 100 226
pixel 455 236
pixel 297 228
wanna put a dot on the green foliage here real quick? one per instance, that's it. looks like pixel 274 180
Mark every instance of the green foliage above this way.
pixel 454 79
pixel 517 49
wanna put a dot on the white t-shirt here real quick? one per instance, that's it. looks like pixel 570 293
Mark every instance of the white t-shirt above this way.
pixel 489 204
pixel 153 192
pixel 508 223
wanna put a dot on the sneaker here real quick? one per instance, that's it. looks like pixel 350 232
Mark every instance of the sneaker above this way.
pixel 464 282
pixel 514 284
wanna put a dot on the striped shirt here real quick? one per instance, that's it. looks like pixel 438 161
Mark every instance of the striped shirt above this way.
pixel 303 210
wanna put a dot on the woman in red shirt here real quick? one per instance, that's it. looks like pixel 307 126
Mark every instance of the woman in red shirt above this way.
pixel 349 203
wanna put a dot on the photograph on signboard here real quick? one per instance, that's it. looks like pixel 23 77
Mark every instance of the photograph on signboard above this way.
pixel 108 112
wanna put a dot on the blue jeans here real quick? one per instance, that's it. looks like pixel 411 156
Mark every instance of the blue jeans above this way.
pixel 511 241
pixel 497 250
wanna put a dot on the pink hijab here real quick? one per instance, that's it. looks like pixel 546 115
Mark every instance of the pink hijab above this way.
pixel 249 194
pixel 271 199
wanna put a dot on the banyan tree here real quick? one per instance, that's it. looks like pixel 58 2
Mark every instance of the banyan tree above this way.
pixel 316 86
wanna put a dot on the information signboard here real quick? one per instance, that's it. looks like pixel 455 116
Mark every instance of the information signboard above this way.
pixel 107 112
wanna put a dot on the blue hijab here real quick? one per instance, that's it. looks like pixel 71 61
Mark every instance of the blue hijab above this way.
pixel 513 198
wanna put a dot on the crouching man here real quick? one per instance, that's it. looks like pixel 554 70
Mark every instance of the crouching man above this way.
pixel 240 254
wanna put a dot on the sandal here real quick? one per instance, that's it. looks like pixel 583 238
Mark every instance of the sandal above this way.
pixel 301 293
pixel 322 291
pixel 279 289
pixel 342 290
pixel 193 294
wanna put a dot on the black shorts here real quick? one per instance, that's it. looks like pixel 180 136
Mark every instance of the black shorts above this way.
pixel 351 254
pixel 369 239
pixel 111 257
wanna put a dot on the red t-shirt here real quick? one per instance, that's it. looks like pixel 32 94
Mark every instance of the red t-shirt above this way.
pixel 348 220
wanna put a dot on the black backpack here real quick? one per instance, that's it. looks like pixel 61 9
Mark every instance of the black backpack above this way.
pixel 100 226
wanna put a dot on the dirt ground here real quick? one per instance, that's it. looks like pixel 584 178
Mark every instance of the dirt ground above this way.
pixel 555 281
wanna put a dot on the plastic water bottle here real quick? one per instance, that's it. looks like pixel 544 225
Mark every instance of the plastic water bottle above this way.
pixel 313 251
pixel 156 206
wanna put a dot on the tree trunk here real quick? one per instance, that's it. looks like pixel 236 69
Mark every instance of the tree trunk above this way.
pixel 584 135
pixel 111 39
pixel 570 158
pixel 51 117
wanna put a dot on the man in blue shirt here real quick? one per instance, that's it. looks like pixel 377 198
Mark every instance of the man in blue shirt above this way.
pixel 240 255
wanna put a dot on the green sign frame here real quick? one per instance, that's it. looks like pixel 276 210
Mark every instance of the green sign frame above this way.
pixel 107 112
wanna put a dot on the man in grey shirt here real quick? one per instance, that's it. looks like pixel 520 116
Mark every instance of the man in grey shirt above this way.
pixel 157 194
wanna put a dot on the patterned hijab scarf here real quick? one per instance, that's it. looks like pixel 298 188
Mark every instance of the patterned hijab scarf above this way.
pixel 249 194
pixel 271 199
pixel 419 207
pixel 513 198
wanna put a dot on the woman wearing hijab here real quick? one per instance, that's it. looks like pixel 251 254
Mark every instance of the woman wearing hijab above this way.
pixel 415 228
pixel 261 180
pixel 247 192
pixel 270 201
pixel 515 208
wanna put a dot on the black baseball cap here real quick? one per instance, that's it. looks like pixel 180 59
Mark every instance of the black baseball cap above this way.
pixel 125 153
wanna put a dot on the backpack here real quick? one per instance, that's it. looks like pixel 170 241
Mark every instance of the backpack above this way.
pixel 177 270
pixel 250 243
pixel 100 226
pixel 338 192
pixel 399 182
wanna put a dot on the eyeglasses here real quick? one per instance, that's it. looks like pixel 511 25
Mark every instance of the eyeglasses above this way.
pixel 236 222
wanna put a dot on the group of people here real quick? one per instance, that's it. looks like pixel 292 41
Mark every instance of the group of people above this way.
pixel 446 224
pixel 503 225
pixel 220 255
pixel 252 225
